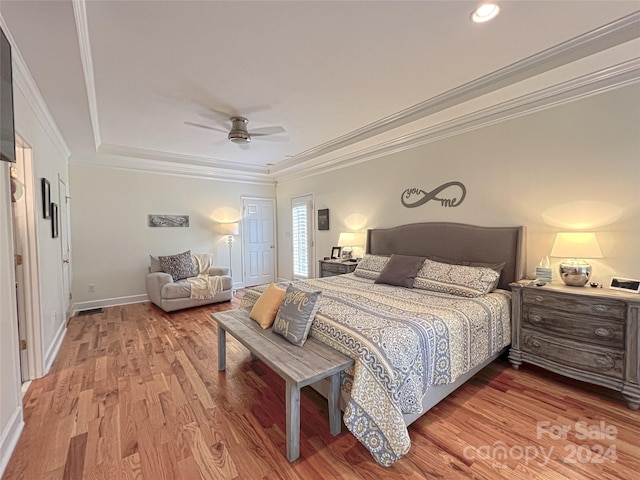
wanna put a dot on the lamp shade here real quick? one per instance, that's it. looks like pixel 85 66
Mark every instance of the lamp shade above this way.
pixel 228 228
pixel 351 239
pixel 576 245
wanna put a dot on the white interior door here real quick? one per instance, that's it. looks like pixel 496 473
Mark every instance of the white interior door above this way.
pixel 258 241
pixel 63 199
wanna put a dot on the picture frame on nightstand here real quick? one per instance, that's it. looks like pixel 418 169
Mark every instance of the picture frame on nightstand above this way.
pixel 336 252
pixel 625 284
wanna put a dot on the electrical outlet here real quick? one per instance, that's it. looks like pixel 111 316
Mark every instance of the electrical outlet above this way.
pixel 91 288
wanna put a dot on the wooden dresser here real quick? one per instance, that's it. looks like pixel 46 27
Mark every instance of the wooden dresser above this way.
pixel 329 268
pixel 589 334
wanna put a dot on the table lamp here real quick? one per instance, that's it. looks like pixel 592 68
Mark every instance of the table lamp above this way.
pixel 575 246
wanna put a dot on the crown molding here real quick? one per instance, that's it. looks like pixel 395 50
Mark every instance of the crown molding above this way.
pixel 598 40
pixel 144 163
pixel 23 80
pixel 82 26
pixel 222 165
pixel 579 88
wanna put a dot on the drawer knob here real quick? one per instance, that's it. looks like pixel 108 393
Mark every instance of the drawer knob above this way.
pixel 535 343
pixel 539 299
pixel 536 319
pixel 600 308
pixel 604 361
pixel 603 332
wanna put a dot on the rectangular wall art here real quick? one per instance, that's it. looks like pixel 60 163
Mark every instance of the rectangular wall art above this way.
pixel 168 220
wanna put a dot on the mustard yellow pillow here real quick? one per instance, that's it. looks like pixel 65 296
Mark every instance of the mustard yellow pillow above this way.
pixel 265 309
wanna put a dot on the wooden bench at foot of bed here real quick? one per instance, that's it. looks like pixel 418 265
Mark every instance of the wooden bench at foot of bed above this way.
pixel 298 366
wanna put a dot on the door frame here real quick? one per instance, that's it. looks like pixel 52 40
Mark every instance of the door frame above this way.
pixel 31 286
pixel 65 236
pixel 243 200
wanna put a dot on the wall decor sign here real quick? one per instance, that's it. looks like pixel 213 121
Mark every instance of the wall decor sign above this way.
pixel 54 220
pixel 46 198
pixel 168 220
pixel 323 219
pixel 450 194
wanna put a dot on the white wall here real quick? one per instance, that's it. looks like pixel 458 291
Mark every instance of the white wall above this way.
pixel 544 170
pixel 50 320
pixel 10 397
pixel 112 242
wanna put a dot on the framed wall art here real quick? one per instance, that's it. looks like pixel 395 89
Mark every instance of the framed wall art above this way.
pixel 54 220
pixel 323 219
pixel 46 198
pixel 168 220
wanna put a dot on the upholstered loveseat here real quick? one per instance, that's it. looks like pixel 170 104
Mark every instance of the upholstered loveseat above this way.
pixel 187 280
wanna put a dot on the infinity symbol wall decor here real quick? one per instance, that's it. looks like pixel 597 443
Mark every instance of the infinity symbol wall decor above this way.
pixel 424 197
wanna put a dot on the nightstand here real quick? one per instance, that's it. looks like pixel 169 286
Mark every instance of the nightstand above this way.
pixel 329 268
pixel 590 334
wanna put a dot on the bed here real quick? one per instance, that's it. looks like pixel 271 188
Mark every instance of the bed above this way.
pixel 413 346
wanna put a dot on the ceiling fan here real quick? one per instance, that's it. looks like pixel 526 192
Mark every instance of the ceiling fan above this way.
pixel 239 133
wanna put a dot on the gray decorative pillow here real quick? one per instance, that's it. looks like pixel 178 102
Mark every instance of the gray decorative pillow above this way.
pixel 370 266
pixel 400 270
pixel 460 280
pixel 178 266
pixel 293 320
pixel 154 264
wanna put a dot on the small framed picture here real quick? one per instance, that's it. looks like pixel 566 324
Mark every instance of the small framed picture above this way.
pixel 625 284
pixel 335 252
pixel 46 198
pixel 323 219
pixel 54 220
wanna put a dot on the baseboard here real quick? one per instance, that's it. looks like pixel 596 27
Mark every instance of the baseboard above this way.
pixel 109 302
pixel 51 353
pixel 9 437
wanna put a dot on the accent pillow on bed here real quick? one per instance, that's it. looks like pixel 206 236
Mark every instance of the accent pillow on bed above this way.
pixel 265 309
pixel 400 270
pixel 461 280
pixel 370 266
pixel 296 313
pixel 178 266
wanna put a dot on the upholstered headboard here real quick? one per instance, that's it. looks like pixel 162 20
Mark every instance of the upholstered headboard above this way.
pixel 456 242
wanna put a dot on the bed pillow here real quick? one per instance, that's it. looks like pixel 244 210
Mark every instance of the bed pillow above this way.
pixel 370 266
pixel 493 266
pixel 154 264
pixel 400 270
pixel 295 315
pixel 178 266
pixel 461 280
pixel 265 309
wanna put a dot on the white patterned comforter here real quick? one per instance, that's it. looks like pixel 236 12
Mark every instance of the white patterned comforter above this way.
pixel 402 341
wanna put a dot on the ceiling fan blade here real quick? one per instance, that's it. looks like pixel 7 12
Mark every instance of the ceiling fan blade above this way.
pixel 260 132
pixel 205 126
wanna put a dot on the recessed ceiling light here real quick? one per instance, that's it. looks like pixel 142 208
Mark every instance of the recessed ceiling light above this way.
pixel 485 12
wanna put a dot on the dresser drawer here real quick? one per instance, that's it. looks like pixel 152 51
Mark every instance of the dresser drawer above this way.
pixel 334 267
pixel 600 360
pixel 595 330
pixel 602 307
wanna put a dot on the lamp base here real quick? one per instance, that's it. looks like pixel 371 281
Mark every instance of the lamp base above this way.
pixel 575 273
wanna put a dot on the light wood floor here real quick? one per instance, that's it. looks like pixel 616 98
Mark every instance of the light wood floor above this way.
pixel 135 393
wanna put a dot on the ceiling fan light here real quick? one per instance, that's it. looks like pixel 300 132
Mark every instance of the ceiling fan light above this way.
pixel 240 138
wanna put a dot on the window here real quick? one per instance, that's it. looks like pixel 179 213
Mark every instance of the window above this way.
pixel 302 232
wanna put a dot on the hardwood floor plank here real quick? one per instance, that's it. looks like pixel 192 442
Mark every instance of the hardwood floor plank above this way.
pixel 135 393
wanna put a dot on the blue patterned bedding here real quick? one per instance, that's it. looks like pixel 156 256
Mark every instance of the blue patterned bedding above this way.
pixel 402 341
